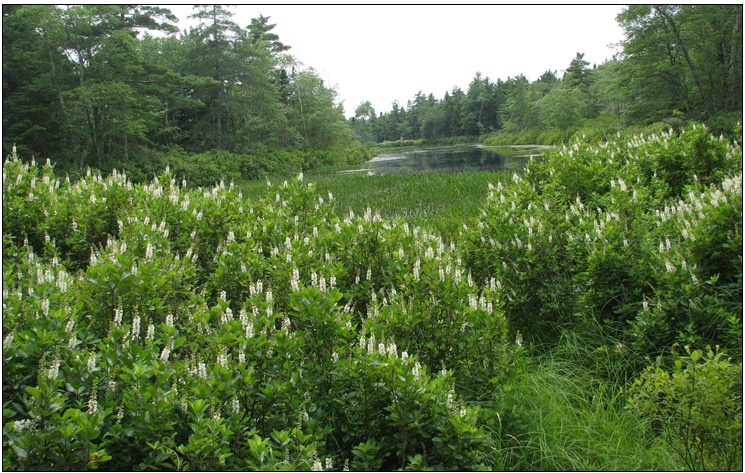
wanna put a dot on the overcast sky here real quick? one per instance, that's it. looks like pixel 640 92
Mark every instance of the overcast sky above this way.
pixel 387 53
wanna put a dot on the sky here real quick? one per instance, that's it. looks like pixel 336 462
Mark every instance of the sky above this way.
pixel 386 53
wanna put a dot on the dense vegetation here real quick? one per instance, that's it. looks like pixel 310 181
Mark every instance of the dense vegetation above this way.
pixel 679 62
pixel 87 85
pixel 584 314
pixel 196 328
pixel 152 326
pixel 607 216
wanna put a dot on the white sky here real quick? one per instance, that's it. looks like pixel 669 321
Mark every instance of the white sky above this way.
pixel 386 53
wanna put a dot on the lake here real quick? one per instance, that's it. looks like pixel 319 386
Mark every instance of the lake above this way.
pixel 450 158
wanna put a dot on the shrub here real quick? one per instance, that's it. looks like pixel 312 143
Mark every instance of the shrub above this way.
pixel 400 143
pixel 192 329
pixel 727 124
pixel 339 155
pixel 642 234
pixel 698 406
pixel 208 168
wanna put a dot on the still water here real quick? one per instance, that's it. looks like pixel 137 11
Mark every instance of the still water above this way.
pixel 451 158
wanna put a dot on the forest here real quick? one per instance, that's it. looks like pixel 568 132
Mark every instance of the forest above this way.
pixel 189 284
pixel 112 86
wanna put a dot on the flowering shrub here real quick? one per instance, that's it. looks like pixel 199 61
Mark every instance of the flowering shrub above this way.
pixel 155 327
pixel 643 235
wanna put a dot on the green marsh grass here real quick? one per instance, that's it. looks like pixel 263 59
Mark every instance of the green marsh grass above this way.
pixel 568 413
pixel 441 202
pixel 570 423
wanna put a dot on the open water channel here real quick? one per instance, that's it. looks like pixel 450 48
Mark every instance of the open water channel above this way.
pixel 450 158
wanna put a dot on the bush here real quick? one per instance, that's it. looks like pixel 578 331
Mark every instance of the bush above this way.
pixel 338 155
pixel 209 168
pixel 698 406
pixel 642 234
pixel 159 327
pixel 400 143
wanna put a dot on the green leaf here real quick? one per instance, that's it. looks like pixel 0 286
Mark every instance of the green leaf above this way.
pixel 34 392
pixel 696 355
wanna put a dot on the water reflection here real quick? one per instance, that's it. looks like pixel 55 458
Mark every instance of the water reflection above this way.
pixel 454 158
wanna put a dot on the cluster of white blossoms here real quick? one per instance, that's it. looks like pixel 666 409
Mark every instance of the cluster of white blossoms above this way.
pixel 8 340
pixel 54 369
pixel 201 370
pixel 164 354
pixel 92 403
pixel 135 328
pixel 24 426
pixel 416 371
pixel 222 357
pixel 118 313
pixel 295 280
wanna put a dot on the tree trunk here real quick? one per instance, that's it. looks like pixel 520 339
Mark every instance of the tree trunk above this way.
pixel 125 134
pixel 734 86
pixel 302 115
pixel 684 50
pixel 219 117
pixel 125 143
pixel 60 97
pixel 54 76
pixel 77 148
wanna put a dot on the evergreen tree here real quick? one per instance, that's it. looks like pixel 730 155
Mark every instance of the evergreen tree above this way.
pixel 212 55
pixel 260 30
pixel 578 74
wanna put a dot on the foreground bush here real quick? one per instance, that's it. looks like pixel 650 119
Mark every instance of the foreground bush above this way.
pixel 698 406
pixel 642 236
pixel 155 327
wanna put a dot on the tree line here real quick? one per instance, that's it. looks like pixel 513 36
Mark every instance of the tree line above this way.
pixel 91 85
pixel 118 86
pixel 678 63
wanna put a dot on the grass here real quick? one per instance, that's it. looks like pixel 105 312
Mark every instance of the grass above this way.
pixel 441 202
pixel 566 421
pixel 567 414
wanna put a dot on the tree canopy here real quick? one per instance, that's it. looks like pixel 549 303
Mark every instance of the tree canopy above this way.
pixel 87 85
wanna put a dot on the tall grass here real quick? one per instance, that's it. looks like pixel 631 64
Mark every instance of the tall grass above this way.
pixel 442 202
pixel 567 412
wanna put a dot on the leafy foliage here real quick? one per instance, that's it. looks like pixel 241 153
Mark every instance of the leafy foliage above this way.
pixel 698 405
pixel 643 235
pixel 105 95
pixel 200 330
pixel 682 58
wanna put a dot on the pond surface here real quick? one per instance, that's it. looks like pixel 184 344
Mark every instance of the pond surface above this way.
pixel 451 158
